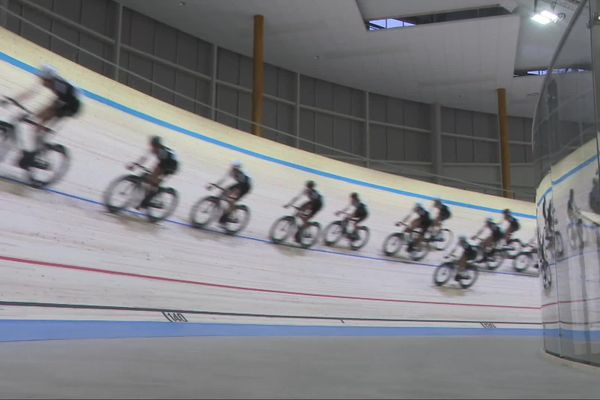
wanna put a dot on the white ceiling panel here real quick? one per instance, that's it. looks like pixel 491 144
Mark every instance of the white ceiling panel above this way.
pixel 458 64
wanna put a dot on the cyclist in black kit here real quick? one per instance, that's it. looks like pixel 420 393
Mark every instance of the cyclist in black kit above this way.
pixel 469 254
pixel 495 236
pixel 359 214
pixel 65 104
pixel 443 213
pixel 422 222
pixel 167 165
pixel 234 192
pixel 310 208
pixel 513 224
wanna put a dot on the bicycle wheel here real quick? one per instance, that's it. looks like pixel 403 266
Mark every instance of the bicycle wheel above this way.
pixel 495 259
pixel 443 273
pixel 546 275
pixel 559 245
pixel 282 229
pixel 513 248
pixel 237 219
pixel 333 233
pixel 469 277
pixel 443 239
pixel 419 250
pixel 523 261
pixel 7 139
pixel 122 192
pixel 204 211
pixel 361 238
pixel 393 243
pixel 49 165
pixel 309 235
pixel 162 205
pixel 572 236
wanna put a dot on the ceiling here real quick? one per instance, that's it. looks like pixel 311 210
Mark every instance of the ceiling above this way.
pixel 458 64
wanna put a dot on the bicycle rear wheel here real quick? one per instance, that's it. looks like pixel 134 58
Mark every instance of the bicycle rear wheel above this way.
pixel 237 219
pixel 361 237
pixel 310 234
pixel 49 165
pixel 162 205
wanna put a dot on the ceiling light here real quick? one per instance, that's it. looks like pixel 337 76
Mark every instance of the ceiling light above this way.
pixel 550 15
pixel 540 19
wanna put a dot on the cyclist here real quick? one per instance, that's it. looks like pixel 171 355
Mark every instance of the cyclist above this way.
pixel 422 221
pixel 513 224
pixel 469 253
pixel 359 214
pixel 308 209
pixel 234 192
pixel 167 165
pixel 495 236
pixel 443 213
pixel 572 209
pixel 65 104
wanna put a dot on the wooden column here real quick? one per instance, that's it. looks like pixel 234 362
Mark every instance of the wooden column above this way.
pixel 504 144
pixel 259 75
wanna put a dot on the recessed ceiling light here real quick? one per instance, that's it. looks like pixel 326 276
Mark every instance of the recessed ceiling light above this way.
pixel 540 19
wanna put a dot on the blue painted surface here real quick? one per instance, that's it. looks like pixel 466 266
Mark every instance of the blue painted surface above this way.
pixel 28 330
pixel 146 117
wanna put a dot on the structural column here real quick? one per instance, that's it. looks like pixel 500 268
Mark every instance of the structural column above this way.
pixel 504 144
pixel 259 75
pixel 436 140
pixel 3 13
pixel 118 31
pixel 368 129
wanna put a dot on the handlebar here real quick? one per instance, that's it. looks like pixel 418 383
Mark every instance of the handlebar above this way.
pixel 143 168
pixel 17 104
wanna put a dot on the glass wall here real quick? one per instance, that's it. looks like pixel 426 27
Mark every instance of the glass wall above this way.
pixel 566 164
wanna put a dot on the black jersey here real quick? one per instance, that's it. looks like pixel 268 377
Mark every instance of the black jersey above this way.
pixel 240 177
pixel 166 155
pixel 444 212
pixel 361 210
pixel 513 223
pixel 64 90
pixel 314 196
pixel 423 214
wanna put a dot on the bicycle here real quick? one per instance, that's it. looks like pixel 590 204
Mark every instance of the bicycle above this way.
pixel 553 241
pixel 416 249
pixel 129 190
pixel 440 237
pixel 208 209
pixel 448 269
pixel 285 226
pixel 337 230
pixel 527 257
pixel 577 233
pixel 51 160
pixel 492 256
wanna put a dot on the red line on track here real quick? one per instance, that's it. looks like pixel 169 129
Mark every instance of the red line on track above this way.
pixel 248 289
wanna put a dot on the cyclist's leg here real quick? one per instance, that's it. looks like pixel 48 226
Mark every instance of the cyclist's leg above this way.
pixel 153 183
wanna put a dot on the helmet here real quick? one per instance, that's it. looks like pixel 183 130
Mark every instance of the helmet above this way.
pixel 155 141
pixel 236 164
pixel 354 195
pixel 489 220
pixel 47 72
pixel 506 211
pixel 418 206
pixel 310 184
pixel 462 239
pixel 437 202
